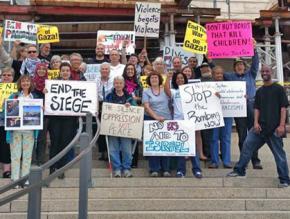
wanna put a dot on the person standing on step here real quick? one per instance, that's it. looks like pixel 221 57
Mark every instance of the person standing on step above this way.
pixel 269 127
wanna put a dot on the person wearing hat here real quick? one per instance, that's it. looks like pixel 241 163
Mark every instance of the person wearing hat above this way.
pixel 243 124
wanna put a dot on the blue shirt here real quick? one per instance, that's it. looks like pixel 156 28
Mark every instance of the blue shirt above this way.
pixel 249 77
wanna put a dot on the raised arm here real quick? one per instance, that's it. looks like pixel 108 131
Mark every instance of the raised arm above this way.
pixel 5 58
pixel 255 63
pixel 167 84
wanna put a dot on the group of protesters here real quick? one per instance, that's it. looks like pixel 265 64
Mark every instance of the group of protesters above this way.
pixel 119 83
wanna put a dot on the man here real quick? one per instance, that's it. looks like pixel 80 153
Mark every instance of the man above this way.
pixel 116 68
pixel 269 127
pixel 76 60
pixel 246 123
pixel 177 64
pixel 44 54
pixel 100 55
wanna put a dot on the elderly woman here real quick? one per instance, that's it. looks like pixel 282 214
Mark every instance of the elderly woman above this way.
pixel 159 66
pixel 55 62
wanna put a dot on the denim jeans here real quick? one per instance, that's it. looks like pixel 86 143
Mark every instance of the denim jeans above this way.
pixel 158 163
pixel 222 135
pixel 253 142
pixel 123 145
pixel 181 164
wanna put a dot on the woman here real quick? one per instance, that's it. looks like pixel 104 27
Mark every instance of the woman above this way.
pixel 156 107
pixel 55 62
pixel 159 66
pixel 188 72
pixel 119 145
pixel 6 77
pixel 179 79
pixel 21 141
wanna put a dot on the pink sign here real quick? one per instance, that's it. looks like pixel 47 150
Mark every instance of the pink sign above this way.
pixel 229 39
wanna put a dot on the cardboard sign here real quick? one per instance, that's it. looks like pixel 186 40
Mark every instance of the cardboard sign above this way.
pixel 195 38
pixel 170 52
pixel 70 98
pixel 232 97
pixel 47 34
pixel 169 138
pixel 6 89
pixel 53 74
pixel 23 114
pixel 114 40
pixel 25 32
pixel 144 82
pixel 201 106
pixel 230 39
pixel 92 72
pixel 147 19
pixel 1 31
pixel 119 120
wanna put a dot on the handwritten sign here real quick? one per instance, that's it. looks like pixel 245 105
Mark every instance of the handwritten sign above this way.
pixel 6 89
pixel 147 19
pixel 25 32
pixel 1 31
pixel 47 34
pixel 201 105
pixel 92 72
pixel 119 120
pixel 71 98
pixel 230 39
pixel 195 38
pixel 53 74
pixel 143 81
pixel 170 52
pixel 114 40
pixel 23 114
pixel 169 138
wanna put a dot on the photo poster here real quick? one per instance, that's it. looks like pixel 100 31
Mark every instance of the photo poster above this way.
pixel 143 81
pixel 70 98
pixel 93 71
pixel 47 34
pixel 53 74
pixel 170 52
pixel 6 89
pixel 114 40
pixel 169 138
pixel 230 39
pixel 25 32
pixel 121 121
pixel 232 97
pixel 201 105
pixel 23 114
pixel 195 39
pixel 147 19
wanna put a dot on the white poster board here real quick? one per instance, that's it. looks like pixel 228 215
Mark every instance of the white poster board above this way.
pixel 170 52
pixel 169 138
pixel 201 105
pixel 70 98
pixel 23 114
pixel 114 40
pixel 92 72
pixel 121 121
pixel 147 19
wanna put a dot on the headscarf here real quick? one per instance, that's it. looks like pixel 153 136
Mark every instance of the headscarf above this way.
pixel 39 81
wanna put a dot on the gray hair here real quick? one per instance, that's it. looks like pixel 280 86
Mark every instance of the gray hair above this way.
pixel 105 64
pixel 8 69
pixel 76 54
pixel 119 77
pixel 55 58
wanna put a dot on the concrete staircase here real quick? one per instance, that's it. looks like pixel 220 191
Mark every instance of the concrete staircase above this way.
pixel 213 197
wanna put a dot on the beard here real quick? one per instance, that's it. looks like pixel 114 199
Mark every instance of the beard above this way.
pixel 206 75
pixel 266 77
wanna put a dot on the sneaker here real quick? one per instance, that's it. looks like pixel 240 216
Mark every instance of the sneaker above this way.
pixel 117 174
pixel 166 174
pixel 257 166
pixel 26 184
pixel 127 173
pixel 227 166
pixel 213 166
pixel 154 174
pixel 179 174
pixel 197 175
pixel 61 176
pixel 283 185
pixel 234 174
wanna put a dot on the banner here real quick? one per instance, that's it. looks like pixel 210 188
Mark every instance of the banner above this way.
pixel 232 97
pixel 147 19
pixel 119 120
pixel 230 39
pixel 170 52
pixel 53 74
pixel 195 38
pixel 114 40
pixel 70 98
pixel 25 32
pixel 201 105
pixel 169 138
pixel 144 82
pixel 92 72
pixel 47 34
pixel 23 114
pixel 6 89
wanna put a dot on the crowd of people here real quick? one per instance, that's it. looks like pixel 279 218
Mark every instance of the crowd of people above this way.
pixel 119 82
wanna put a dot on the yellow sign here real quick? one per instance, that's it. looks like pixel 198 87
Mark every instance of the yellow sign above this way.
pixel 47 34
pixel 195 38
pixel 6 89
pixel 53 74
pixel 144 83
pixel 1 31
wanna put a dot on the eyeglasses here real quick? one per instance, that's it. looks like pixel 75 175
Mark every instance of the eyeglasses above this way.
pixel 34 51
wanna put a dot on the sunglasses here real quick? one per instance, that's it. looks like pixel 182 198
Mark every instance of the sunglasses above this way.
pixel 34 51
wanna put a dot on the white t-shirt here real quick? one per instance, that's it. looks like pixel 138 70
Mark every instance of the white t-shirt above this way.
pixel 177 106
pixel 116 70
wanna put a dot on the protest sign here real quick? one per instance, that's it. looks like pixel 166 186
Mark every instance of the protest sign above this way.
pixel 169 138
pixel 195 38
pixel 232 97
pixel 70 98
pixel 53 74
pixel 230 39
pixel 92 72
pixel 1 31
pixel 143 81
pixel 147 19
pixel 6 89
pixel 119 120
pixel 170 52
pixel 201 105
pixel 23 114
pixel 47 34
pixel 25 32
pixel 114 40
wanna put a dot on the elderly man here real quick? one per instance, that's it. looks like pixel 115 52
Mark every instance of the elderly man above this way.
pixel 44 54
pixel 116 67
pixel 76 60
